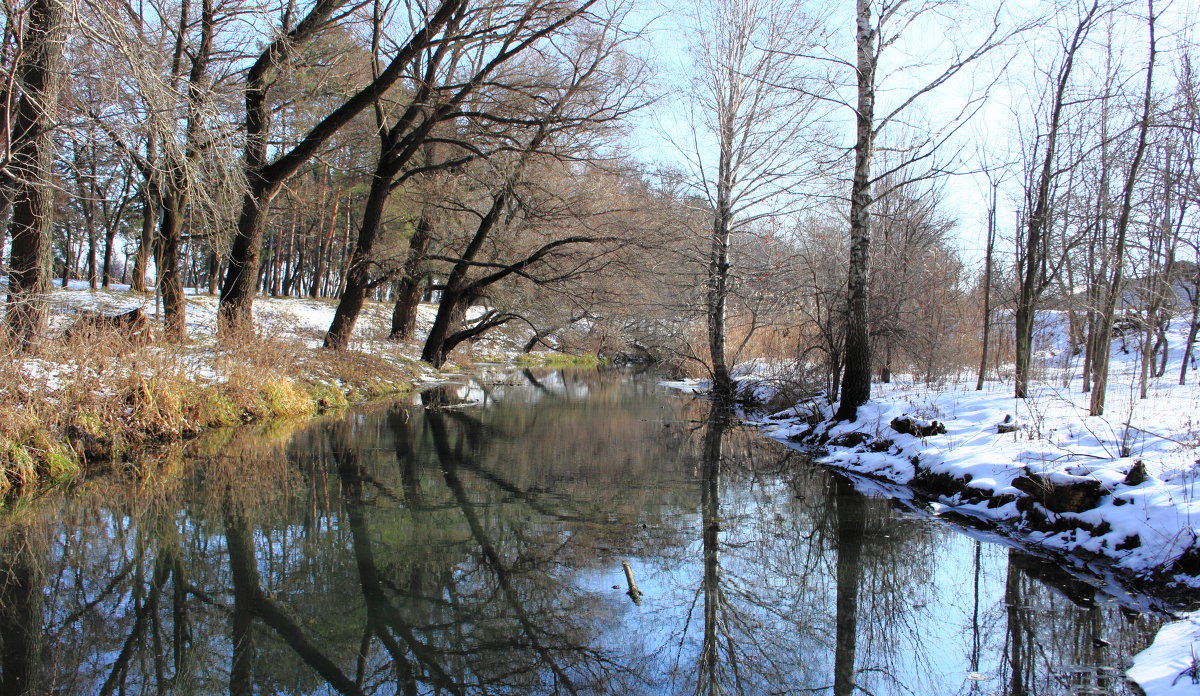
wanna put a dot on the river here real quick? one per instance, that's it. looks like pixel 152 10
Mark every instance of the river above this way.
pixel 473 542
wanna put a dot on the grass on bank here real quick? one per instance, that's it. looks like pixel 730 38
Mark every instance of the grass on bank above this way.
pixel 85 403
pixel 555 361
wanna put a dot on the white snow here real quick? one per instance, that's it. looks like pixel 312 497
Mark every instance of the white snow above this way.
pixel 1171 665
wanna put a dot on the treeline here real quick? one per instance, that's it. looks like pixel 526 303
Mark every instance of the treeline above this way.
pixel 344 150
pixel 472 153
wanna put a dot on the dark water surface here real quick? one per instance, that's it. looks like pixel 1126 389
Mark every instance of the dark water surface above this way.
pixel 478 549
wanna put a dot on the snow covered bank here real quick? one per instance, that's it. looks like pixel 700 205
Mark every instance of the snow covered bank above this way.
pixel 1171 666
pixel 1119 492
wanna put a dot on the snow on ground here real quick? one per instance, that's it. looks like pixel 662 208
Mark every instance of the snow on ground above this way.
pixel 1171 665
pixel 1141 528
pixel 299 319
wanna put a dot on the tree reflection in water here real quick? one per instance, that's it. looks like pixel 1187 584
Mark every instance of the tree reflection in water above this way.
pixel 446 549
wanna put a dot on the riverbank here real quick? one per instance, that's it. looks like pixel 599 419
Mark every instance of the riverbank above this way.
pixel 84 403
pixel 1117 494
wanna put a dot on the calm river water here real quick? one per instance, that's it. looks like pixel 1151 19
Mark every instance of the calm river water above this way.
pixel 477 549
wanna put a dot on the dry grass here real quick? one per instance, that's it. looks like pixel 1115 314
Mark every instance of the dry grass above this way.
pixel 75 406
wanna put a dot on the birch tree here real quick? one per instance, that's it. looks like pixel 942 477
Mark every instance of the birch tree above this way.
pixel 880 28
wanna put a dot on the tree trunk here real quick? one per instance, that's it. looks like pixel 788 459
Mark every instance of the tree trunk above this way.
pixel 453 299
pixel 68 257
pixel 213 275
pixel 145 242
pixel 21 608
pixel 32 151
pixel 237 291
pixel 856 383
pixel 1193 330
pixel 110 238
pixel 408 289
pixel 987 289
pixel 850 515
pixel 93 270
pixel 324 242
pixel 718 291
pixel 435 351
pixel 358 277
pixel 170 283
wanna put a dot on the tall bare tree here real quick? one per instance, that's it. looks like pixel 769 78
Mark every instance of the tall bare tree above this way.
pixel 754 110
pixel 1107 312
pixel 1034 256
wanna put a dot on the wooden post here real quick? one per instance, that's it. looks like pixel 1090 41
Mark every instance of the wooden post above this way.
pixel 634 592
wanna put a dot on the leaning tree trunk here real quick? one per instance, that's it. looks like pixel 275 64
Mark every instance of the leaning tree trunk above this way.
pixel 241 274
pixel 358 276
pixel 856 384
pixel 32 152
pixel 1108 311
pixel 436 350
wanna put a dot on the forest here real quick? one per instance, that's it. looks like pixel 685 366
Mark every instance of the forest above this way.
pixel 897 187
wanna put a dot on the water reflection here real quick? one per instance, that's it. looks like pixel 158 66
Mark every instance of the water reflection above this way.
pixel 446 549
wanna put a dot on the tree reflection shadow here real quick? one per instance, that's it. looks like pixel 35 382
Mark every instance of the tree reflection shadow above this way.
pixel 443 550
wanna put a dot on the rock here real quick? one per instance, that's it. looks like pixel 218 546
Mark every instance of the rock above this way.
pixel 1008 425
pixel 1076 495
pixel 132 326
pixel 906 425
pixel 881 445
pixel 851 439
pixel 1136 475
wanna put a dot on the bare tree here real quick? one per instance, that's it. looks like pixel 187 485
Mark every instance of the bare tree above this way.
pixel 1107 311
pixel 533 211
pixel 490 40
pixel 1033 257
pixel 754 108
pixel 987 278
pixel 264 174
pixel 1186 116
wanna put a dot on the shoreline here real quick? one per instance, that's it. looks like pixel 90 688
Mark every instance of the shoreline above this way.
pixel 80 404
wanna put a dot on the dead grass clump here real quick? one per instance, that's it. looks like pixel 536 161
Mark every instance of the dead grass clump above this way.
pixel 357 376
pixel 96 399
